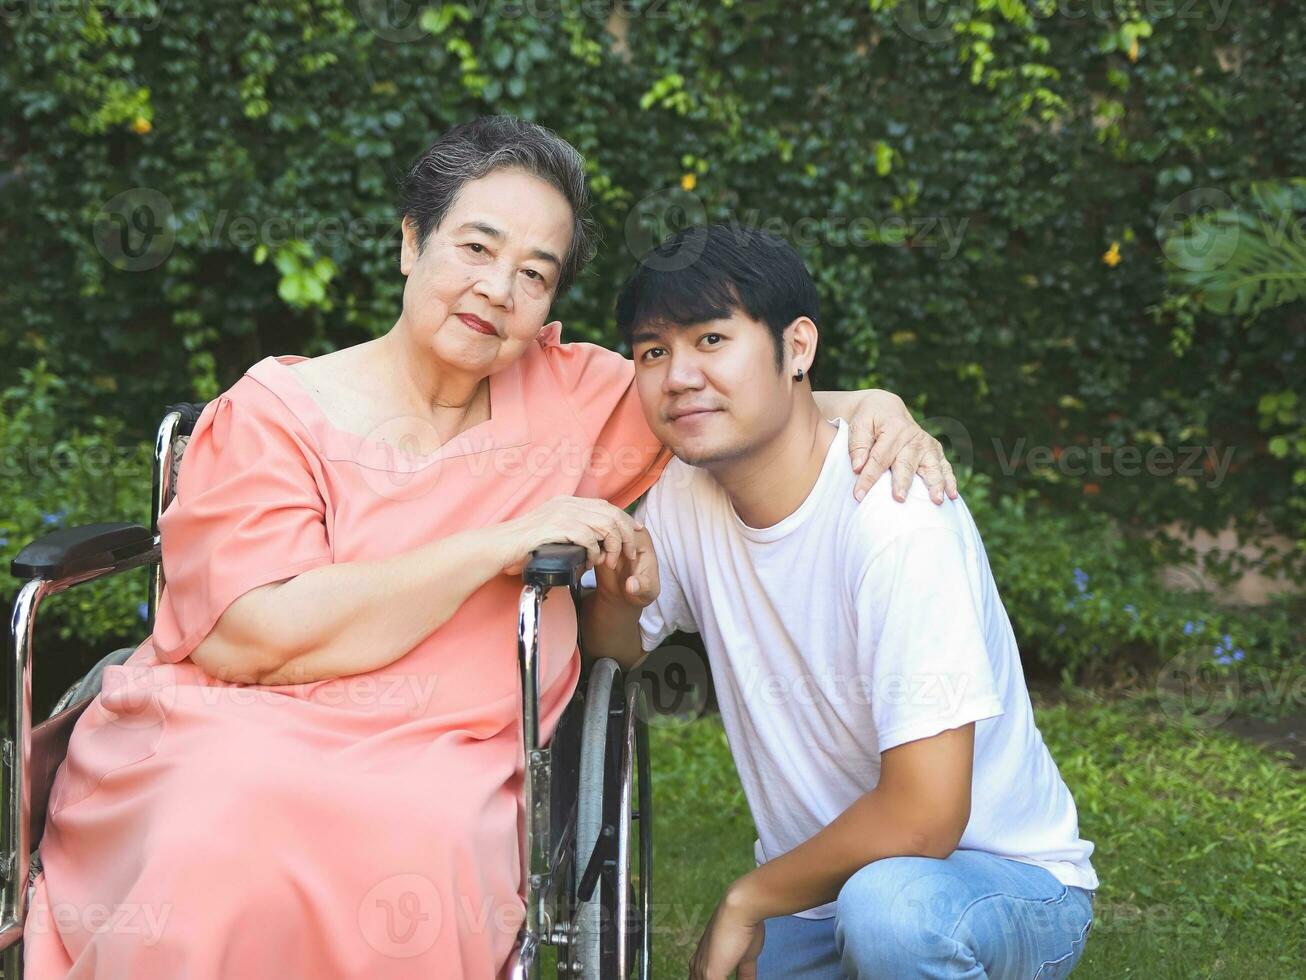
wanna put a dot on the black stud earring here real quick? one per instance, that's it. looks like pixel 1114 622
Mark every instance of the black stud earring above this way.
pixel 799 375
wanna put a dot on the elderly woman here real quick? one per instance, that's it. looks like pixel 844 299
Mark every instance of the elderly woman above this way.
pixel 310 769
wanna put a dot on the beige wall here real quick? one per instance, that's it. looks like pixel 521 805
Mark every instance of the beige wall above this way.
pixel 1252 589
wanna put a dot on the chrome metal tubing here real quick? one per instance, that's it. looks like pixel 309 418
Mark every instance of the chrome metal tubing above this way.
pixel 536 766
pixel 15 820
pixel 622 889
pixel 526 962
pixel 160 494
pixel 644 780
pixel 16 739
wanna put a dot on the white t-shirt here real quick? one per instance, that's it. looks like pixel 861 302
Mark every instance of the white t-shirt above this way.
pixel 844 630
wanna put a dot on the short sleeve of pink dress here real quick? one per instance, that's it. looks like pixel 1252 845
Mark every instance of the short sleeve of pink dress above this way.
pixel 248 511
pixel 627 457
pixel 367 825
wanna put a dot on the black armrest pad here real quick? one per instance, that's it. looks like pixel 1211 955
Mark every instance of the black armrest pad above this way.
pixel 73 550
pixel 190 413
pixel 556 564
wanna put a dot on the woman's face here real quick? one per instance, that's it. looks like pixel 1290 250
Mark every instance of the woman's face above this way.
pixel 481 291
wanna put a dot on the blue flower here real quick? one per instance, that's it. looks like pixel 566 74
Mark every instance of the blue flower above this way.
pixel 1227 642
pixel 1224 660
pixel 144 610
pixel 1132 610
pixel 1081 579
pixel 1238 654
pixel 1188 628
pixel 4 542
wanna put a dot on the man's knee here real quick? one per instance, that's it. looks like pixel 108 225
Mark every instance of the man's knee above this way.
pixel 880 885
pixel 895 912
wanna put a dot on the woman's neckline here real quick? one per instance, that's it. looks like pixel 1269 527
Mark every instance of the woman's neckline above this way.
pixel 505 426
pixel 290 362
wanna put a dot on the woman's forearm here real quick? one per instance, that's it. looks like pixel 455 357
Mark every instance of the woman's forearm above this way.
pixel 352 617
pixel 844 404
pixel 834 404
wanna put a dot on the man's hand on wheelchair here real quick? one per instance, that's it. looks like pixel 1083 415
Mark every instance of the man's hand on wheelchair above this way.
pixel 633 581
pixel 731 943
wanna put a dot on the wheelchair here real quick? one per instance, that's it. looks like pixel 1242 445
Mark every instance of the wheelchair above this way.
pixel 588 850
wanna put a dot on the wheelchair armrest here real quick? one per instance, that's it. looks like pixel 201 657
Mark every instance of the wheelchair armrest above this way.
pixel 555 564
pixel 74 551
pixel 190 413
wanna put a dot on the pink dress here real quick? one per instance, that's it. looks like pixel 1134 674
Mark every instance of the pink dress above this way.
pixel 366 826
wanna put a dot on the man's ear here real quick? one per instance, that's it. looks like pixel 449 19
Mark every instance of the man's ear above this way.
pixel 408 245
pixel 801 339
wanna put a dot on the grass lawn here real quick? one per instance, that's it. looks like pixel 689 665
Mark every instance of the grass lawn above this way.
pixel 1200 842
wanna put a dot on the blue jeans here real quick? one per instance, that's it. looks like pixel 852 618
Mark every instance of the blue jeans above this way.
pixel 972 915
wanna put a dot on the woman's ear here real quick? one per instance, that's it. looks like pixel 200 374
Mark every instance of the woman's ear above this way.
pixel 408 245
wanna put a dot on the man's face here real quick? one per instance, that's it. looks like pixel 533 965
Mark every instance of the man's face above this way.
pixel 711 391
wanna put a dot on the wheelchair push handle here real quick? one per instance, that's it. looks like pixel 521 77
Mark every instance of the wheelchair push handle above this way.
pixel 555 564
pixel 190 413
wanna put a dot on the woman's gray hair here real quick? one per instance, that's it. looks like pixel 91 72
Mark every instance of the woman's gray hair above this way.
pixel 475 149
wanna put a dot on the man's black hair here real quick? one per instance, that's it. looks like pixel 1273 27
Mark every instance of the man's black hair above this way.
pixel 708 272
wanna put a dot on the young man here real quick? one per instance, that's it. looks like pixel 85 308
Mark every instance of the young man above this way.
pixel 911 821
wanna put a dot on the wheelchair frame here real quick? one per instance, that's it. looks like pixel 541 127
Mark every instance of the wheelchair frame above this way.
pixel 557 888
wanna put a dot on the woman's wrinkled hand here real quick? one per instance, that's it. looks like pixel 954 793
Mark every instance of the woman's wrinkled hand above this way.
pixel 883 435
pixel 608 533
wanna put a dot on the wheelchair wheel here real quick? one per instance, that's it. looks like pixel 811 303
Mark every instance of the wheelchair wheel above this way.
pixel 611 939
pixel 635 843
pixel 598 740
